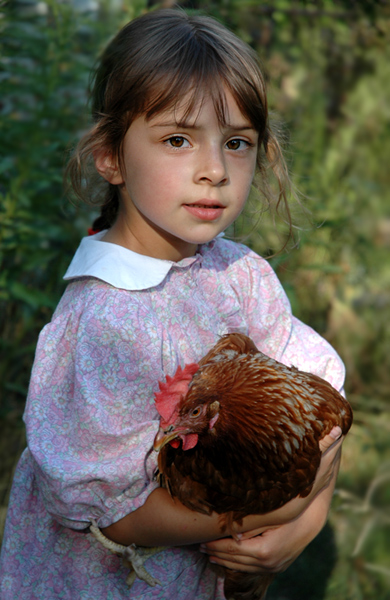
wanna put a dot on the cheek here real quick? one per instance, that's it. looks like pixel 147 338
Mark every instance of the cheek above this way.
pixel 146 178
pixel 244 176
pixel 252 171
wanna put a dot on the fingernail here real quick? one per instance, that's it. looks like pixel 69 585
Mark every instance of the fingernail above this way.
pixel 202 548
pixel 336 433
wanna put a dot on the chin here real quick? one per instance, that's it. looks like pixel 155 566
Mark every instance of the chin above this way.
pixel 204 238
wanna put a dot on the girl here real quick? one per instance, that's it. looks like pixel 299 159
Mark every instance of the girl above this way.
pixel 180 129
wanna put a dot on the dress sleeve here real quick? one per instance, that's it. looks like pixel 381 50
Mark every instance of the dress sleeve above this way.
pixel 278 333
pixel 308 351
pixel 90 418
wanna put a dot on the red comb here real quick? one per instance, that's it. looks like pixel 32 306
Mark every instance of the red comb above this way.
pixel 168 398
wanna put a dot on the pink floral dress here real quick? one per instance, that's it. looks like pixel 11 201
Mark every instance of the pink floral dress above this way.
pixel 124 322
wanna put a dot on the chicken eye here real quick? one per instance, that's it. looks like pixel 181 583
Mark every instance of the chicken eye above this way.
pixel 196 412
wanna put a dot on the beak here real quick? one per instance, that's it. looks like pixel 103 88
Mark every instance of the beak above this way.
pixel 164 437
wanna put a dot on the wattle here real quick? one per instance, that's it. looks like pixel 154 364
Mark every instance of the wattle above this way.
pixel 175 443
pixel 189 441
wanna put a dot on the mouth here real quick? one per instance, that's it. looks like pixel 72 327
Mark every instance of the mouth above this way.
pixel 162 438
pixel 205 210
pixel 205 203
pixel 175 438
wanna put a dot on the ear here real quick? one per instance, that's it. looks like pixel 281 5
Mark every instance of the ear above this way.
pixel 213 413
pixel 107 167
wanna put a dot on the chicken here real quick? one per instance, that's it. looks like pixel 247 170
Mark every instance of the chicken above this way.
pixel 239 435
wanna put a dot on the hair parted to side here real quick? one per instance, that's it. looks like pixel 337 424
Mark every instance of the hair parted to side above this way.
pixel 153 63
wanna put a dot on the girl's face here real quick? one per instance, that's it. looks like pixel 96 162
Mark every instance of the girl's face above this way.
pixel 181 185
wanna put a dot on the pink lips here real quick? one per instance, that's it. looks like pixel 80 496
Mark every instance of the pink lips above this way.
pixel 206 210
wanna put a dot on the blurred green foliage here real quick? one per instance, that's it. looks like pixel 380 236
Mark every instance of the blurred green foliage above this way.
pixel 328 65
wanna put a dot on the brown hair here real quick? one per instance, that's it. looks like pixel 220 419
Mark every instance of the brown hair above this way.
pixel 152 63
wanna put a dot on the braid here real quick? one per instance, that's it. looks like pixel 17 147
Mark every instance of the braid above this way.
pixel 109 210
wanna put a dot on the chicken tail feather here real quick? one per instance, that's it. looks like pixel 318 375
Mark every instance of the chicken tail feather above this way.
pixel 246 586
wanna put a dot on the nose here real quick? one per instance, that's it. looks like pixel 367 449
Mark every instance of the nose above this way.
pixel 211 167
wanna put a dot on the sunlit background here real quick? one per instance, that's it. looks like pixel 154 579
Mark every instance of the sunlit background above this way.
pixel 328 71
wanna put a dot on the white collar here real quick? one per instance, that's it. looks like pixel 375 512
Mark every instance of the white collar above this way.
pixel 118 266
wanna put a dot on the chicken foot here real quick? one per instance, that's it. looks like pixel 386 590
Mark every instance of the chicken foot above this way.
pixel 133 556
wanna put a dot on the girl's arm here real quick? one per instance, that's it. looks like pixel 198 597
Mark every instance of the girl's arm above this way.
pixel 162 521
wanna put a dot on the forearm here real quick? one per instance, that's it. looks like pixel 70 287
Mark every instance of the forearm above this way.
pixel 162 521
pixel 317 512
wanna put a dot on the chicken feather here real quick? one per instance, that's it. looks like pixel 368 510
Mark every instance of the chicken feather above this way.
pixel 242 438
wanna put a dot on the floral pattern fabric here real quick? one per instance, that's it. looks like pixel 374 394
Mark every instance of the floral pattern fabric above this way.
pixel 91 419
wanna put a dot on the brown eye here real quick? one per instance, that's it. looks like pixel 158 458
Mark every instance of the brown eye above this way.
pixel 196 412
pixel 237 144
pixel 176 141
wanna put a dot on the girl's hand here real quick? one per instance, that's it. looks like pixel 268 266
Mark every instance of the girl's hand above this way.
pixel 272 551
pixel 274 548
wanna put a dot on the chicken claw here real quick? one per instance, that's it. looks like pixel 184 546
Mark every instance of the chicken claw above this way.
pixel 136 556
pixel 133 556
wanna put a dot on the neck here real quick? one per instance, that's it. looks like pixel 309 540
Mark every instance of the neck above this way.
pixel 135 231
pixel 155 246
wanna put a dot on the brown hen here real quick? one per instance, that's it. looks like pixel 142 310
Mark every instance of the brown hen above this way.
pixel 243 433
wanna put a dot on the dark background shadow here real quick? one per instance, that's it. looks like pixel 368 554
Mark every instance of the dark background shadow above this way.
pixel 308 576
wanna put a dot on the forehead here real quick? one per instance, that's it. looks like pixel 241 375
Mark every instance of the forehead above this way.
pixel 197 103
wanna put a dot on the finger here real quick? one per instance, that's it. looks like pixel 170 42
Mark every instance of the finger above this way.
pixel 247 535
pixel 239 562
pixel 333 438
pixel 225 545
pixel 258 533
pixel 237 566
pixel 248 564
pixel 237 559
pixel 247 552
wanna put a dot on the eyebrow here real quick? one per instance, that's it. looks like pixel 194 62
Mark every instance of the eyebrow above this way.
pixel 186 125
